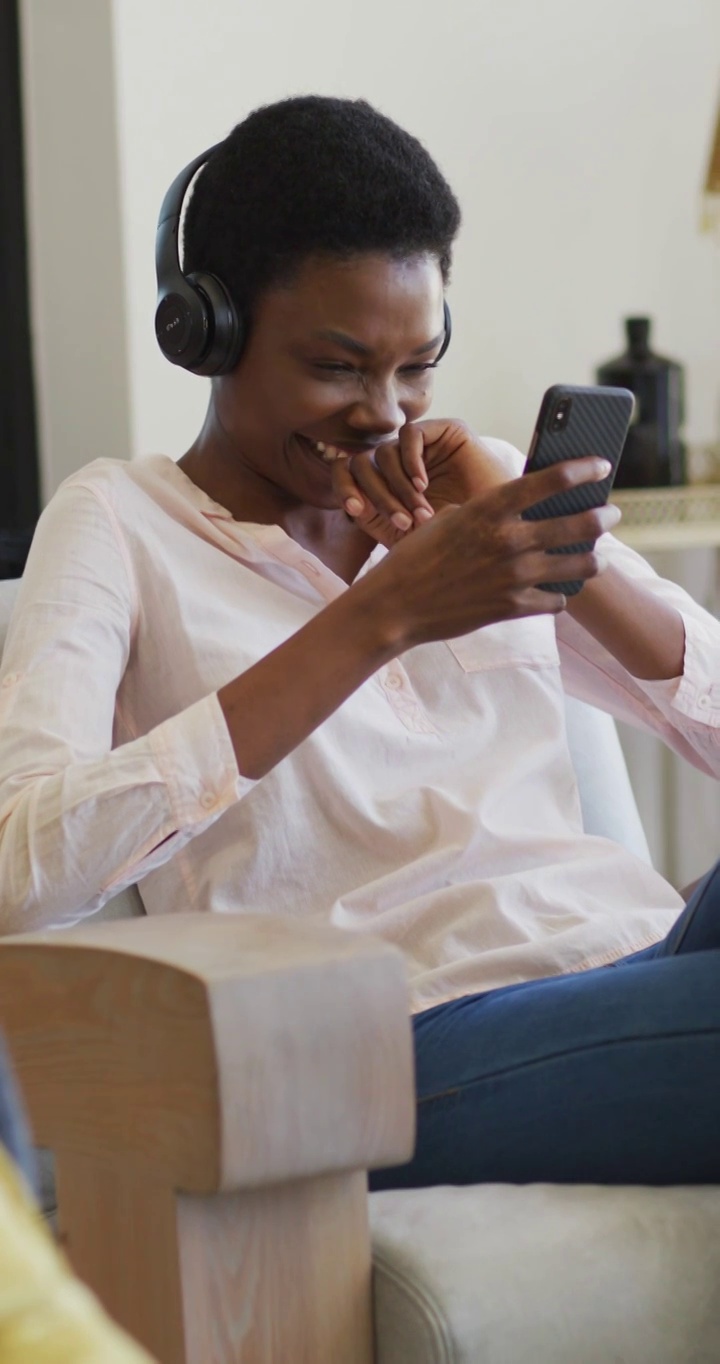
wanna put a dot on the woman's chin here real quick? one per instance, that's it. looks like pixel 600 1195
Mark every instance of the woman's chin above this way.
pixel 315 485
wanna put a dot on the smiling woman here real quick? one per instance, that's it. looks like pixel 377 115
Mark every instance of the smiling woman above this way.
pixel 338 281
pixel 309 671
pixel 322 376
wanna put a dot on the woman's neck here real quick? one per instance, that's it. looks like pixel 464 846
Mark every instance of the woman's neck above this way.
pixel 329 535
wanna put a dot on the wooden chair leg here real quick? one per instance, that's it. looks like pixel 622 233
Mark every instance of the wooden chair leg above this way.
pixel 263 1276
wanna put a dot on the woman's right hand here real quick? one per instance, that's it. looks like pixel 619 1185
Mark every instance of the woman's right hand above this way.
pixel 480 563
pixel 467 567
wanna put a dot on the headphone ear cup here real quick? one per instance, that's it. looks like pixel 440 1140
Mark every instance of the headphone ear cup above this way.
pixel 225 332
pixel 182 325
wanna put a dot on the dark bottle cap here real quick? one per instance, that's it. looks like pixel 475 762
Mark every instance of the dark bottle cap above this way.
pixel 637 330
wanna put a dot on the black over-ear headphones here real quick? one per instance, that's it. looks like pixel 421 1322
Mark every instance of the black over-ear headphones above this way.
pixel 196 322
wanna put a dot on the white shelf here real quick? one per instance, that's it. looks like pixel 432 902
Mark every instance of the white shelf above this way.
pixel 657 519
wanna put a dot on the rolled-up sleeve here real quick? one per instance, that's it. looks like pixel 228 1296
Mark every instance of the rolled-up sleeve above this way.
pixel 684 711
pixel 81 819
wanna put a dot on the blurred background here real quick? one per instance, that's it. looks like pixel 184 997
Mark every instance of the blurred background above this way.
pixel 576 136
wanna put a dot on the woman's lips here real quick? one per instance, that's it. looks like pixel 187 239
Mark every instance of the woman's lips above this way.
pixel 325 452
pixel 329 453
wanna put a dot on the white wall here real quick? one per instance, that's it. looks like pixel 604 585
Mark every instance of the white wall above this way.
pixel 575 135
pixel 73 200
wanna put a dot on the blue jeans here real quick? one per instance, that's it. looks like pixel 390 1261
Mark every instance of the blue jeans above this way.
pixel 13 1127
pixel 607 1077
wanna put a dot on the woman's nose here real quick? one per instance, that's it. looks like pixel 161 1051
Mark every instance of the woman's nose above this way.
pixel 378 412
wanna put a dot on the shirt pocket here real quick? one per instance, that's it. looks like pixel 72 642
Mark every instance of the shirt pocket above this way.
pixel 526 643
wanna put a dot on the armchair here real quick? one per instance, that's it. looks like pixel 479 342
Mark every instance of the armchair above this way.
pixel 214 1089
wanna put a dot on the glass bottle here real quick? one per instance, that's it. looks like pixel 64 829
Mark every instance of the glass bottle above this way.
pixel 654 454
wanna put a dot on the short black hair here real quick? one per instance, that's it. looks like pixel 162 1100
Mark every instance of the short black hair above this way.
pixel 314 175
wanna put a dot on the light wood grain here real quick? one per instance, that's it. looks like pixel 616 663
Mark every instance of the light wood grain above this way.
pixel 280 1274
pixel 214 1090
pixel 247 1051
pixel 120 1235
pixel 264 1277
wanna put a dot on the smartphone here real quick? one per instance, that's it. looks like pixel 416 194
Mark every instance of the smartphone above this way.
pixel 574 422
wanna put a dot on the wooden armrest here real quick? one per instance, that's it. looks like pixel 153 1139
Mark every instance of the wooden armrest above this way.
pixel 169 1061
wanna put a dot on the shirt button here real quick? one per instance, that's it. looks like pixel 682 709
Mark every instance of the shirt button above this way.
pixel 207 800
pixel 704 701
pixel 311 568
pixel 393 681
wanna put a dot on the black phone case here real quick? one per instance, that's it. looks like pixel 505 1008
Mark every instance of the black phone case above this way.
pixel 597 425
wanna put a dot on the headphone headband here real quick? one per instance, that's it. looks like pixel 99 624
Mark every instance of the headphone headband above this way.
pixel 167 247
pixel 196 323
pixel 448 332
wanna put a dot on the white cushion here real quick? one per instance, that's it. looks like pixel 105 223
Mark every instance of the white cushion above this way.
pixel 547 1274
pixel 606 796
pixel 8 593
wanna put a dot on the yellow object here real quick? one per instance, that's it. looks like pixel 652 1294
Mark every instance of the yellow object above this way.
pixel 46 1315
pixel 712 181
pixel 710 221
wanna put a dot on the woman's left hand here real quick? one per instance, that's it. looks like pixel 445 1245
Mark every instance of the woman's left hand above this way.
pixel 434 464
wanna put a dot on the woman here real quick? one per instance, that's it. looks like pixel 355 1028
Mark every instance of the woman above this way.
pixel 221 684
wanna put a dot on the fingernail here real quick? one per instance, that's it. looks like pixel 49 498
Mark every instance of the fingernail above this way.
pixel 606 468
pixel 423 514
pixel 420 484
pixel 353 505
pixel 401 520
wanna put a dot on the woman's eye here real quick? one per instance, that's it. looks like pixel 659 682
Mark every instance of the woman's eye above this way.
pixel 338 367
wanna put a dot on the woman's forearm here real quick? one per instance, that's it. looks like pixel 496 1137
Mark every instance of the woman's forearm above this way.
pixel 278 702
pixel 643 632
